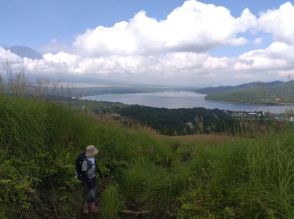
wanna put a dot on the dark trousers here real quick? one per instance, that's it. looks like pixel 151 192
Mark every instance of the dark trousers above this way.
pixel 90 191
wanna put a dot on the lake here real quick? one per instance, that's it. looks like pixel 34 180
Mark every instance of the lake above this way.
pixel 184 99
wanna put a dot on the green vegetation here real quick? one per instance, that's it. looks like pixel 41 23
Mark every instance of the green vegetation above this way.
pixel 110 202
pixel 257 93
pixel 166 121
pixel 180 121
pixel 158 176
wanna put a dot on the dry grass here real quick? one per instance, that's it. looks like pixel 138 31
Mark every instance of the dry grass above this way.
pixel 216 139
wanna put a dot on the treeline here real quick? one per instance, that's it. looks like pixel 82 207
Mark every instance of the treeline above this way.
pixel 183 121
pixel 180 121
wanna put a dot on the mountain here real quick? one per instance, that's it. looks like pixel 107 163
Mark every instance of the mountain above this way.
pixel 24 51
pixel 209 90
pixel 275 92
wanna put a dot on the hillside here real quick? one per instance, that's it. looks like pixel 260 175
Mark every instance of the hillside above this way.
pixel 181 121
pixel 165 177
pixel 275 92
pixel 216 89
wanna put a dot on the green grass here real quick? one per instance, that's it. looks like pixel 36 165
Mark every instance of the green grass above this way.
pixel 184 177
pixel 111 203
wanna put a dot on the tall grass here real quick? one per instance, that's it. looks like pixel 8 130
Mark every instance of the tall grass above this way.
pixel 111 204
pixel 271 172
pixel 221 177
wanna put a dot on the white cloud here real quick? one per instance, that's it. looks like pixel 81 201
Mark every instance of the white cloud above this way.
pixel 175 49
pixel 6 55
pixel 56 46
pixel 257 40
pixel 277 57
pixel 9 61
pixel 176 67
pixel 279 23
pixel 289 74
pixel 194 26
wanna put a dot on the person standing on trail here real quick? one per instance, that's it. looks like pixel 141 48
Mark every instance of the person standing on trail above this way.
pixel 87 175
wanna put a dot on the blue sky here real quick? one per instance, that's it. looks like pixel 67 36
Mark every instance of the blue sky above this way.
pixel 34 23
pixel 174 41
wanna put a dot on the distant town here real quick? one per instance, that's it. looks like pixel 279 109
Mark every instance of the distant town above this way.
pixel 259 115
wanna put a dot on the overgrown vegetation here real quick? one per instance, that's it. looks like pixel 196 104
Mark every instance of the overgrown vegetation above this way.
pixel 163 177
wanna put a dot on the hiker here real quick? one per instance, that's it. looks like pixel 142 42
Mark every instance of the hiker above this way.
pixel 86 171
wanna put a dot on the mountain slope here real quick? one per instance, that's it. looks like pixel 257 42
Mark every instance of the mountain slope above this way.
pixel 25 52
pixel 276 92
pixel 208 90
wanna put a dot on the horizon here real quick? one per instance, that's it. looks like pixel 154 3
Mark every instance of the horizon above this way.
pixel 170 43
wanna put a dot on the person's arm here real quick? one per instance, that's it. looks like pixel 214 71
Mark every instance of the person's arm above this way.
pixel 99 171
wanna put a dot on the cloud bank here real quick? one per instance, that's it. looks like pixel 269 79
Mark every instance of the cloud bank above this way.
pixel 193 27
pixel 177 49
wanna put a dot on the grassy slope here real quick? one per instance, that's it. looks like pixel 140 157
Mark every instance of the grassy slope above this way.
pixel 183 177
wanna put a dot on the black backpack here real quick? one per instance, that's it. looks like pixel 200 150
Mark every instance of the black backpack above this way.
pixel 78 163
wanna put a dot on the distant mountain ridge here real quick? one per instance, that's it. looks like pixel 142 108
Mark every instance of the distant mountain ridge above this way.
pixel 209 90
pixel 25 52
pixel 275 92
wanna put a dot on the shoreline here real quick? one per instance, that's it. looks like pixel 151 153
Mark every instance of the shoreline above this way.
pixel 249 103
pixel 199 100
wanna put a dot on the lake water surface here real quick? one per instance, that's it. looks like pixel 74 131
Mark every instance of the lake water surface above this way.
pixel 184 99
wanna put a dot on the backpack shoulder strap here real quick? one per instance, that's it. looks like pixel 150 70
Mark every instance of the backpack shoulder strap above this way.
pixel 89 163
